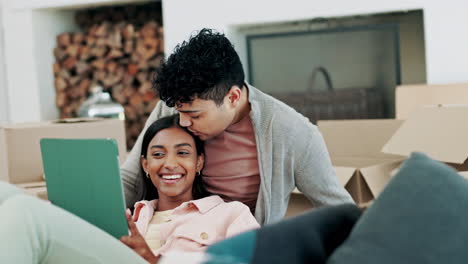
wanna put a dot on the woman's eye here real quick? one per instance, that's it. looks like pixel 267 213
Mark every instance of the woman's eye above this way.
pixel 195 117
pixel 184 153
pixel 158 154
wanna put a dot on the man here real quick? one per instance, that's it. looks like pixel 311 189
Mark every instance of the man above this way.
pixel 257 148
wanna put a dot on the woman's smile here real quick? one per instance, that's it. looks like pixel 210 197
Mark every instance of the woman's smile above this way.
pixel 171 178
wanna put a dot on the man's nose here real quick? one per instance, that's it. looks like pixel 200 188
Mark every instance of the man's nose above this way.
pixel 184 120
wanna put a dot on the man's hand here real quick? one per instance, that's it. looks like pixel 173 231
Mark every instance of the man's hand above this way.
pixel 136 241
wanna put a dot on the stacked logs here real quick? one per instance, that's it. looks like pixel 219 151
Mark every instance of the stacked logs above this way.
pixel 121 57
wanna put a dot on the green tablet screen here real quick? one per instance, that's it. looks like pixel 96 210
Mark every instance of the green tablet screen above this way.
pixel 83 177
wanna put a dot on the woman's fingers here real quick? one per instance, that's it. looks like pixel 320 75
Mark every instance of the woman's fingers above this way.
pixel 128 214
pixel 131 225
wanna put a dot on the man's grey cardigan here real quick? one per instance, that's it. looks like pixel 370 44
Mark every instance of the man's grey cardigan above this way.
pixel 291 152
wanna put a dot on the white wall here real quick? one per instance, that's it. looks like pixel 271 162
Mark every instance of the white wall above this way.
pixel 22 85
pixel 4 117
pixel 445 25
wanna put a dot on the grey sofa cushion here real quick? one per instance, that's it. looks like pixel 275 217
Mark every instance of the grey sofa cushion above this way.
pixel 420 217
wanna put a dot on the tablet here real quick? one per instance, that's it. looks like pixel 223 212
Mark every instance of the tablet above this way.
pixel 83 177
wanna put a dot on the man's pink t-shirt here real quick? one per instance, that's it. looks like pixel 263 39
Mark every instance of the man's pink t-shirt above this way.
pixel 231 164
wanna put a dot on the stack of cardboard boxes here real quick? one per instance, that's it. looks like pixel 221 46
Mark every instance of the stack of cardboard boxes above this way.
pixel 20 153
pixel 430 119
pixel 365 153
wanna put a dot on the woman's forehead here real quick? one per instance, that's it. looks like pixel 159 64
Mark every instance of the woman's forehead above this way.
pixel 172 136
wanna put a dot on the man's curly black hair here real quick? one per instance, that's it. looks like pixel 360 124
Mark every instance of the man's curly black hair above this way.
pixel 205 67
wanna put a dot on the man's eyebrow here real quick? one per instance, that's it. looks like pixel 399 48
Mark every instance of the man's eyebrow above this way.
pixel 183 145
pixel 189 111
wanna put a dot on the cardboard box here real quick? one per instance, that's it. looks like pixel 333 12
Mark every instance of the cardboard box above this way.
pixel 37 189
pixel 367 153
pixel 298 204
pixel 20 154
pixel 355 150
pixel 439 131
pixel 410 97
pixel 464 174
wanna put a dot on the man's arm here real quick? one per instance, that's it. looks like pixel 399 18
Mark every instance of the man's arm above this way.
pixel 314 174
pixel 130 171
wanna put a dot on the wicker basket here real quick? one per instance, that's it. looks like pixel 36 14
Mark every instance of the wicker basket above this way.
pixel 348 103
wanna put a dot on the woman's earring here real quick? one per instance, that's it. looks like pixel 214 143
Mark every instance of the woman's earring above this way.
pixel 147 175
pixel 198 173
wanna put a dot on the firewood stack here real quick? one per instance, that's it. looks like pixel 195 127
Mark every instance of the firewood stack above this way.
pixel 119 49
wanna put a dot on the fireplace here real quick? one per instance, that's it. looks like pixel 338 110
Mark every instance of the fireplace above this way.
pixel 369 55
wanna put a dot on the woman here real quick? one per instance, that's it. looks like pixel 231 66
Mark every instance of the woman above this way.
pixel 36 232
pixel 172 160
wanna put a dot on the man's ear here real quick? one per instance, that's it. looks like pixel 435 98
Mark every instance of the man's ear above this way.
pixel 234 95
pixel 144 164
pixel 200 162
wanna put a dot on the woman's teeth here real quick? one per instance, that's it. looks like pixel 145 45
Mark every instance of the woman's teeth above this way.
pixel 172 177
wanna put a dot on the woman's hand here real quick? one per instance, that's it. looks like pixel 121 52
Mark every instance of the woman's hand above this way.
pixel 136 241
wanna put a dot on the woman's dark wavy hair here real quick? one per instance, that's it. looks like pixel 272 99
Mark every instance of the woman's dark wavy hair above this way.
pixel 205 67
pixel 198 189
